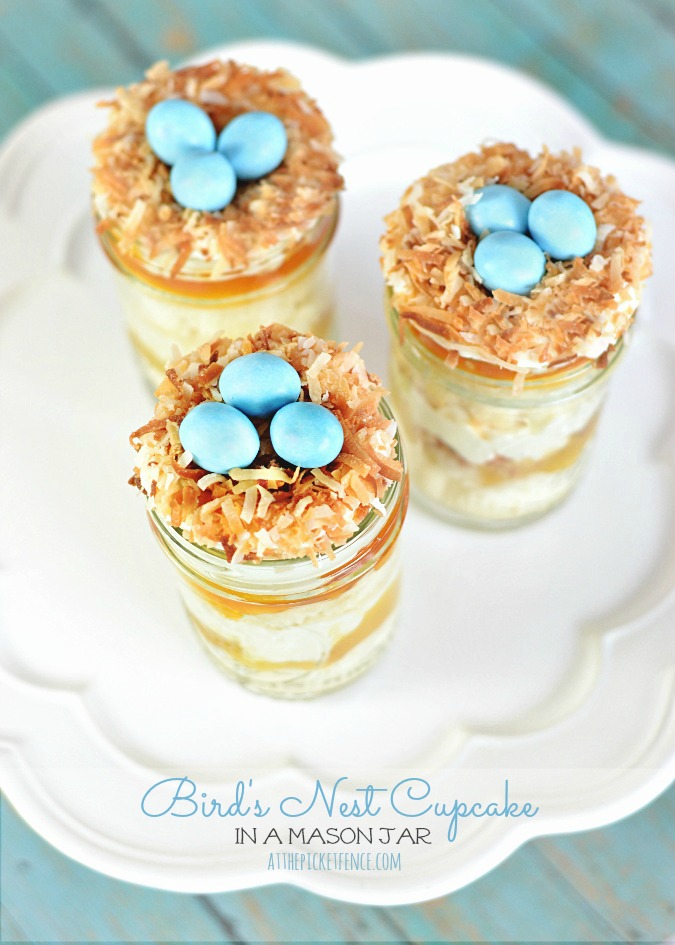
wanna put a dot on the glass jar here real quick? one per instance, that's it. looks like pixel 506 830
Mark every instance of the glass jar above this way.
pixel 289 628
pixel 480 452
pixel 185 311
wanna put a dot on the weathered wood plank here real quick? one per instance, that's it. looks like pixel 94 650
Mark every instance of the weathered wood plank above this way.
pixel 663 11
pixel 110 41
pixel 618 49
pixel 288 914
pixel 10 930
pixel 579 48
pixel 17 100
pixel 626 871
pixel 531 897
pixel 64 47
pixel 614 884
pixel 53 898
pixel 523 900
pixel 502 31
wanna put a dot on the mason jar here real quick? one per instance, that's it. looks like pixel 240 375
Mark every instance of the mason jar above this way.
pixel 482 452
pixel 161 311
pixel 294 629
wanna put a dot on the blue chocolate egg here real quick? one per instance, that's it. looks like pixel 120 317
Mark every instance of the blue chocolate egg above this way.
pixel 509 261
pixel 498 208
pixel 563 224
pixel 254 143
pixel 219 437
pixel 259 384
pixel 174 127
pixel 203 180
pixel 306 434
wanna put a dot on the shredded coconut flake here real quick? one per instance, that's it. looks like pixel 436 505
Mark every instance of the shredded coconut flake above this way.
pixel 270 510
pixel 429 270
pixel 131 188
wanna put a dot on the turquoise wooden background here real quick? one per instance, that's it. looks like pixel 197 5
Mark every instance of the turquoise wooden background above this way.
pixel 615 60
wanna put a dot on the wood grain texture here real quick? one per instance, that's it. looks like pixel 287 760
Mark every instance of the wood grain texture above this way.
pixel 605 42
pixel 48 896
pixel 608 885
pixel 592 53
pixel 615 61
pixel 637 892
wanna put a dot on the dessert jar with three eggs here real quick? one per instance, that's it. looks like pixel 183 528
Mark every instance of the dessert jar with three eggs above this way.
pixel 512 282
pixel 275 483
pixel 215 193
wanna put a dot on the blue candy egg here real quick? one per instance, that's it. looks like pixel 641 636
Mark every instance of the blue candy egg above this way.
pixel 203 180
pixel 306 434
pixel 219 437
pixel 254 143
pixel 498 208
pixel 563 224
pixel 174 127
pixel 509 261
pixel 259 384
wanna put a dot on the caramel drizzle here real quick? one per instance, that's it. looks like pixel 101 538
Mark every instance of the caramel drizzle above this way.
pixel 372 621
pixel 213 288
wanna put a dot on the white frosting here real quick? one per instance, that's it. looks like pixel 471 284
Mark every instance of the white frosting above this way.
pixel 158 323
pixel 305 633
pixel 433 417
pixel 479 441
pixel 481 432
pixel 510 501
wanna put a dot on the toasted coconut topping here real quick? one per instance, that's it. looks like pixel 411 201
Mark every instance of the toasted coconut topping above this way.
pixel 579 309
pixel 271 510
pixel 131 188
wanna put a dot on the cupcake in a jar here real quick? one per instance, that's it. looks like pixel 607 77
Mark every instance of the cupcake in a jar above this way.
pixel 512 285
pixel 275 484
pixel 215 194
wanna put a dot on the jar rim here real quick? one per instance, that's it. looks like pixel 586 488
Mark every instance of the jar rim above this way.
pixel 555 383
pixel 185 285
